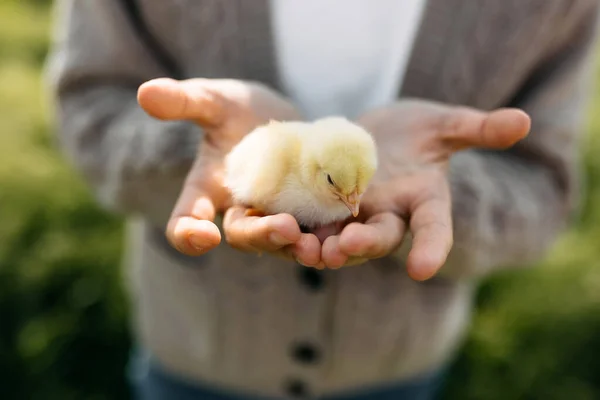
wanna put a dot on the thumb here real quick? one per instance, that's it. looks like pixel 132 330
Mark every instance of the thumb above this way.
pixel 463 128
pixel 169 99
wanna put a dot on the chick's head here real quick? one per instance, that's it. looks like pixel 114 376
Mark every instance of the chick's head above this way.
pixel 342 159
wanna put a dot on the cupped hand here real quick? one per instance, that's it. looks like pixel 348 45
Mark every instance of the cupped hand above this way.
pixel 226 110
pixel 410 190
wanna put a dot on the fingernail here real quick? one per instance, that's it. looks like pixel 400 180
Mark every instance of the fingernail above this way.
pixel 196 242
pixel 278 240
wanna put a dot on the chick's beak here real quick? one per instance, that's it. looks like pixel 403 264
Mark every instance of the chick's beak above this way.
pixel 352 201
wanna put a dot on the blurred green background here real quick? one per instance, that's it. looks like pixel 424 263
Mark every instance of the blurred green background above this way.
pixel 64 330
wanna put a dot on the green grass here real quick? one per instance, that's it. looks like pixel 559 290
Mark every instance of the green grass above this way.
pixel 63 315
pixel 63 329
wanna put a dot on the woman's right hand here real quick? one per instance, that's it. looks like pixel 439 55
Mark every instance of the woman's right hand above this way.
pixel 226 110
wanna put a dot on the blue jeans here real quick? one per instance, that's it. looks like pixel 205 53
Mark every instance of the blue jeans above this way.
pixel 151 382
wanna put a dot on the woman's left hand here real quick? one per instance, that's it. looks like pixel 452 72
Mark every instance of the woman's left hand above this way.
pixel 415 141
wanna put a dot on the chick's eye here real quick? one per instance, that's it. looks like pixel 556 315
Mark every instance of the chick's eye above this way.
pixel 329 179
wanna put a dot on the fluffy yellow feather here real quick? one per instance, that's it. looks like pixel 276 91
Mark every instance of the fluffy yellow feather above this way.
pixel 315 171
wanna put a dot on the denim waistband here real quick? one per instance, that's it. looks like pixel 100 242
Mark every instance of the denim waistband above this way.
pixel 151 382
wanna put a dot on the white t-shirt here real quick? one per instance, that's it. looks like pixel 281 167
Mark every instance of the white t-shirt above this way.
pixel 343 57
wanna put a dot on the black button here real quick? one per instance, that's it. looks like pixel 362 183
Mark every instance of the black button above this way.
pixel 297 389
pixel 311 277
pixel 306 353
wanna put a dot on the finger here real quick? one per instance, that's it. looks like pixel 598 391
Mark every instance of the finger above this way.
pixel 190 228
pixel 169 99
pixel 306 251
pixel 377 237
pixel 251 233
pixel 431 226
pixel 463 128
pixel 333 258
pixel 331 254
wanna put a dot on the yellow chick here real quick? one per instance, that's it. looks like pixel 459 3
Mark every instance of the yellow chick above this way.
pixel 317 172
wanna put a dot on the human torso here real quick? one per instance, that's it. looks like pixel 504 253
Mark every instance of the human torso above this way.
pixel 236 319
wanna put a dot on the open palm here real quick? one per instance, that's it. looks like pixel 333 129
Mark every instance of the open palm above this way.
pixel 416 140
pixel 226 110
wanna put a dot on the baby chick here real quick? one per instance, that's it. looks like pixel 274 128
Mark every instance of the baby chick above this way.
pixel 317 172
